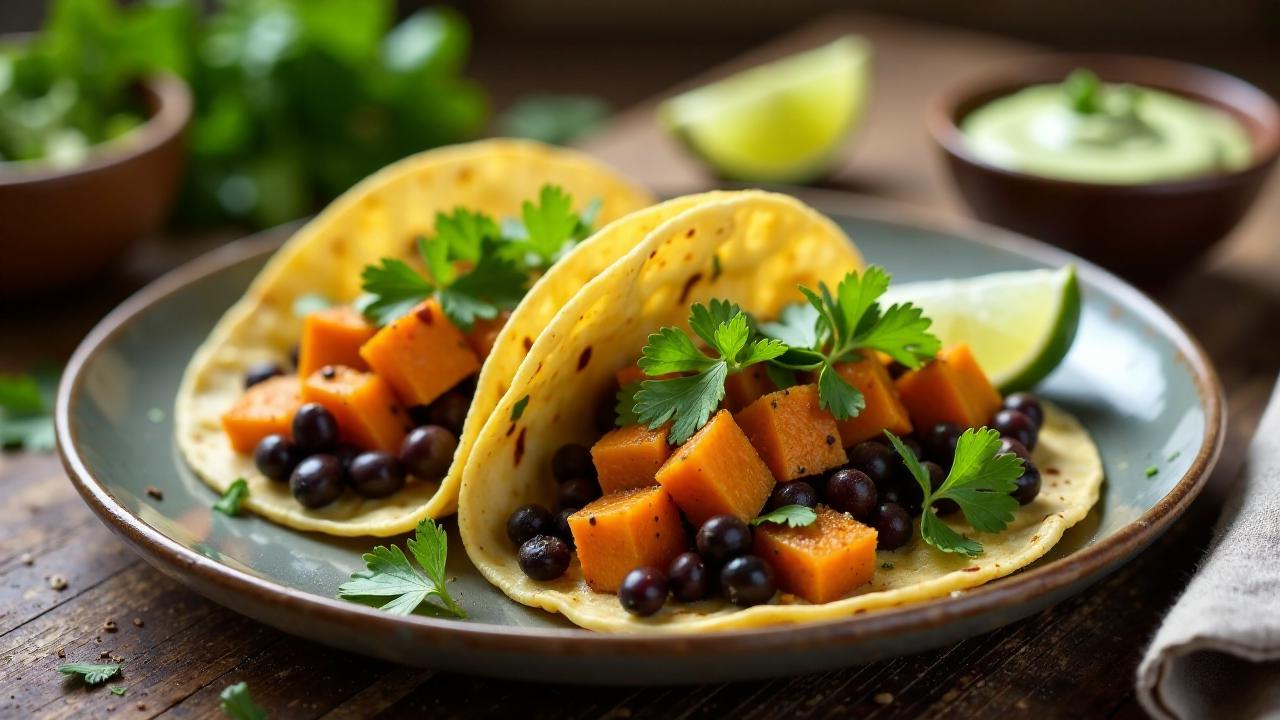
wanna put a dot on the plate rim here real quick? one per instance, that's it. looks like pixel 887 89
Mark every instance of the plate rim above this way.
pixel 1098 558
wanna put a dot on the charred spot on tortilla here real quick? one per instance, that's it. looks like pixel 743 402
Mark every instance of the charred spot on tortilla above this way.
pixel 584 358
pixel 690 233
pixel 520 446
pixel 528 343
pixel 688 286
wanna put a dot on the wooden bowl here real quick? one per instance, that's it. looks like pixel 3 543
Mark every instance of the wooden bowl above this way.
pixel 60 225
pixel 1147 231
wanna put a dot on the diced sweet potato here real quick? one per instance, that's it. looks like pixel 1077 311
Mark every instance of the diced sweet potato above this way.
pixel 421 355
pixel 884 409
pixel 629 457
pixel 484 333
pixel 717 472
pixel 793 435
pixel 369 415
pixel 623 531
pixel 264 409
pixel 743 388
pixel 951 388
pixel 823 561
pixel 332 336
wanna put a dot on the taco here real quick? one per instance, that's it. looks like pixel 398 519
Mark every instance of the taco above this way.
pixel 775 432
pixel 402 309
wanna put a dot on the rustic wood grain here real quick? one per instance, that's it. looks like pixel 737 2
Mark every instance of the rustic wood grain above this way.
pixel 1073 660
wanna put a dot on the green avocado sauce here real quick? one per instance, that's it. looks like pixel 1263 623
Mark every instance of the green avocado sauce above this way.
pixel 1088 131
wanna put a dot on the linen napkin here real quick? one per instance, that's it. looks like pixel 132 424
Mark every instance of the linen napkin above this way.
pixel 1217 654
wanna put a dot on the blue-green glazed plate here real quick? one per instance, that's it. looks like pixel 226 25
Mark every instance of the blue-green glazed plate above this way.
pixel 1143 387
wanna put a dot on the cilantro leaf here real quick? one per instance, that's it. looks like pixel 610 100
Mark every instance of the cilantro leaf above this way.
pixel 90 673
pixel 464 232
pixel 238 704
pixel 389 574
pixel 549 227
pixel 837 396
pixel 118 690
pixel 981 481
pixel 690 401
pixel 625 406
pixel 229 503
pixel 791 515
pixel 391 289
pixel 26 409
pixel 902 334
pixel 517 410
pixel 797 326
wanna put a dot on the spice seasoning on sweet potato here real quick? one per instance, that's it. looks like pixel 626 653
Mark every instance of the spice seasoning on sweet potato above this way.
pixel 484 333
pixel 717 472
pixel 951 388
pixel 369 415
pixel 623 531
pixel 822 561
pixel 884 409
pixel 332 336
pixel 421 355
pixel 629 457
pixel 743 388
pixel 793 435
pixel 266 408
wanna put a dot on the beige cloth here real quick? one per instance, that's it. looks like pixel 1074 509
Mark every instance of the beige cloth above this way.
pixel 1217 654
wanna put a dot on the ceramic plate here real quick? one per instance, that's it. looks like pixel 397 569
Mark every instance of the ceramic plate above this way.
pixel 1142 386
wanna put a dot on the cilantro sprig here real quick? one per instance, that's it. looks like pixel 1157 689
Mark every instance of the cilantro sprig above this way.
pixel 26 409
pixel 229 503
pixel 390 575
pixel 842 326
pixel 980 482
pixel 795 516
pixel 90 673
pixel 475 267
pixel 690 400
pixel 238 704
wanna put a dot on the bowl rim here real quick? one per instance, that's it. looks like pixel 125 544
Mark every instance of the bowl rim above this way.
pixel 208 576
pixel 172 105
pixel 1011 75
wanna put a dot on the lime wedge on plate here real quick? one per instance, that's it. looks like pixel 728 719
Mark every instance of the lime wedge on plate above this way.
pixel 1018 324
pixel 780 122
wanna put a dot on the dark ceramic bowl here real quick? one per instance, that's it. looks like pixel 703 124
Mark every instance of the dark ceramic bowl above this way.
pixel 1147 231
pixel 59 225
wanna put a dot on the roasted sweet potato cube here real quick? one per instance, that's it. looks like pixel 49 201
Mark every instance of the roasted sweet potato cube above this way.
pixel 484 333
pixel 743 388
pixel 369 415
pixel 950 388
pixel 629 457
pixel 884 409
pixel 421 355
pixel 793 435
pixel 264 409
pixel 332 336
pixel 717 472
pixel 823 561
pixel 623 531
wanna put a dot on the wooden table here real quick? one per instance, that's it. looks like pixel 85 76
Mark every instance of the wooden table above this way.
pixel 179 650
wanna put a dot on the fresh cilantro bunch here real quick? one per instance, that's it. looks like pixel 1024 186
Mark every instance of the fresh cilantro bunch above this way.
pixel 980 482
pixel 690 400
pixel 389 574
pixel 26 409
pixel 475 267
pixel 841 327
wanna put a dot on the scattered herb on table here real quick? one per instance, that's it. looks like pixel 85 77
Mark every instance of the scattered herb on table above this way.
pixel 389 574
pixel 118 690
pixel 90 673
pixel 841 327
pixel 238 704
pixel 1152 471
pixel 26 409
pixel 690 400
pixel 790 515
pixel 980 482
pixel 229 503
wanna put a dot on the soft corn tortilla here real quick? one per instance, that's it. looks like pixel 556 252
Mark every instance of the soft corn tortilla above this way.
pixel 765 244
pixel 380 218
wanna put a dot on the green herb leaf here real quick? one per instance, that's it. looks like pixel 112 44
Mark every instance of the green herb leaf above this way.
pixel 238 704
pixel 464 233
pixel 91 673
pixel 791 515
pixel 625 406
pixel 837 396
pixel 26 409
pixel 1083 91
pixel 690 401
pixel 902 334
pixel 391 289
pixel 517 410
pixel 981 481
pixel 797 326
pixel 389 574
pixel 549 227
pixel 229 504
pixel 118 690
pixel 671 351
pixel 1152 471
pixel 553 119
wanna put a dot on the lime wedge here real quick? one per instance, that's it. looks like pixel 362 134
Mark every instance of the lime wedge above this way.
pixel 780 122
pixel 1018 324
